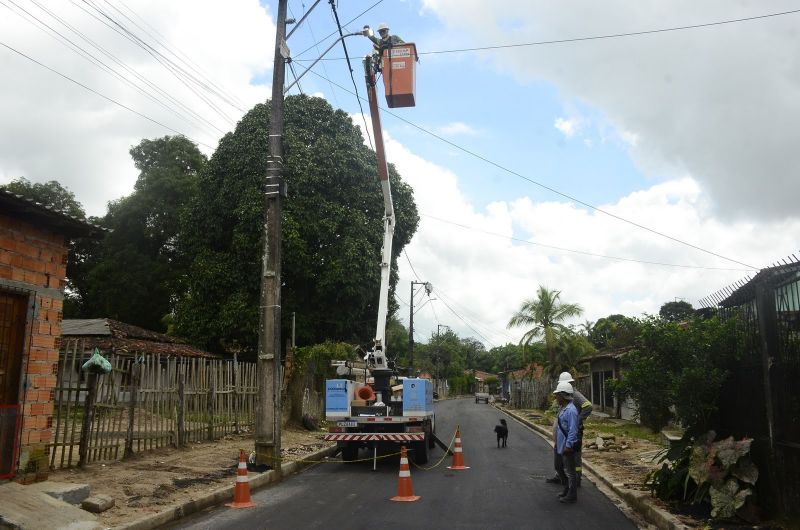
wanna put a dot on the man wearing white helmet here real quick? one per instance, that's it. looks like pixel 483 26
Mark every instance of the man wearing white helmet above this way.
pixel 385 40
pixel 584 407
pixel 567 425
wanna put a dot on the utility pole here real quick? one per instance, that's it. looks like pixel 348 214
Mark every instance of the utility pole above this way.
pixel 428 289
pixel 268 408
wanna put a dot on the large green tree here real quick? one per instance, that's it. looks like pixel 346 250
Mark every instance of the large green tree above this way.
pixel 614 331
pixel 676 311
pixel 137 274
pixel 544 317
pixel 50 193
pixel 332 231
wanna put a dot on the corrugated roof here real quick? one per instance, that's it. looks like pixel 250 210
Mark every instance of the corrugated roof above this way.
pixel 38 213
pixel 85 326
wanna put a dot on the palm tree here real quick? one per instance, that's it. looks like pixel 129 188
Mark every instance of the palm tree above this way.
pixel 544 315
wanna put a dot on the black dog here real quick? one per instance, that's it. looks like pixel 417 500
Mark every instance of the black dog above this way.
pixel 502 433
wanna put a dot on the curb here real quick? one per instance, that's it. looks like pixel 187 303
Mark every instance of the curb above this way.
pixel 221 495
pixel 637 500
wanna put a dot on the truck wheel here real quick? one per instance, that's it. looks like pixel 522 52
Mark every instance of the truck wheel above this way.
pixel 420 454
pixel 349 453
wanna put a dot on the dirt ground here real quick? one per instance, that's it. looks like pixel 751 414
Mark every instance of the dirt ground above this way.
pixel 150 482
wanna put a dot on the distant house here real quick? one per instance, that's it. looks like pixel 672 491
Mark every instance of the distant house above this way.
pixel 604 367
pixel 34 243
pixel 480 380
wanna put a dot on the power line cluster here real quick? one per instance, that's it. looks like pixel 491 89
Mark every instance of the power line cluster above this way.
pixel 128 25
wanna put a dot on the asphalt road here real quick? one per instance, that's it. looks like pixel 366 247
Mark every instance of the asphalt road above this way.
pixel 504 488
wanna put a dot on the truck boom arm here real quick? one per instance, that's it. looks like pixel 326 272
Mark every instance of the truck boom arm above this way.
pixel 378 354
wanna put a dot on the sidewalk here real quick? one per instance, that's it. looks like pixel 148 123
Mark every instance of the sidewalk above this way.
pixel 628 491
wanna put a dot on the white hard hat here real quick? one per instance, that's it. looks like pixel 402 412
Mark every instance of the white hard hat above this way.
pixel 564 387
pixel 383 26
pixel 565 377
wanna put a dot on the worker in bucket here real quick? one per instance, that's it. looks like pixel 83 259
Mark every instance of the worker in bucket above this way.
pixel 383 42
pixel 567 424
pixel 584 407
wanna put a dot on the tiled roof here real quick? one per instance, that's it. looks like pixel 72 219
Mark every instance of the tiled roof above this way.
pixel 107 334
pixel 38 213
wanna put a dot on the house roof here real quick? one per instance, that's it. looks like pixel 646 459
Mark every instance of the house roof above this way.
pixel 610 354
pixel 38 214
pixel 482 376
pixel 107 334
pixel 533 370
pixel 777 275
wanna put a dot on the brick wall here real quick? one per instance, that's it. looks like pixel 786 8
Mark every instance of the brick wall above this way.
pixel 34 260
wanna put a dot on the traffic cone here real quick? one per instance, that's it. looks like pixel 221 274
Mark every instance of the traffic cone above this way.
pixel 241 492
pixel 405 491
pixel 458 453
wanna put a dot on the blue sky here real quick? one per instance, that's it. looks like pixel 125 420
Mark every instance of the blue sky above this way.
pixel 689 134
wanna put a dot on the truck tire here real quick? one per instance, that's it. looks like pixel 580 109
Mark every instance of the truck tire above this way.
pixel 420 453
pixel 349 453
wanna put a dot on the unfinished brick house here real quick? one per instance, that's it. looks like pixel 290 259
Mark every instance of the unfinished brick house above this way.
pixel 34 243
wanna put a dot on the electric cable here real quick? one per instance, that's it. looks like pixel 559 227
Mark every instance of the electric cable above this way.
pixel 604 36
pixel 581 252
pixel 550 188
pixel 179 73
pixel 331 34
pixel 178 54
pixel 88 56
pixel 314 38
pixel 350 67
pixel 115 102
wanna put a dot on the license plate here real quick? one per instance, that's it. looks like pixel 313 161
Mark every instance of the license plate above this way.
pixel 346 423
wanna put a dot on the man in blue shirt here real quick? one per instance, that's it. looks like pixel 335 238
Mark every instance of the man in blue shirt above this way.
pixel 568 425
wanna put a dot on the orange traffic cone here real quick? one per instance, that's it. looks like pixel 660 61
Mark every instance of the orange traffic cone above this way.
pixel 241 492
pixel 405 491
pixel 458 453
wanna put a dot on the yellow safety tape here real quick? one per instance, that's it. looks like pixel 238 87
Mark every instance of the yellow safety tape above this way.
pixel 445 455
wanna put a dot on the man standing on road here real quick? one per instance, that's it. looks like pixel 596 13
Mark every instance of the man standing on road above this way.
pixel 584 407
pixel 568 424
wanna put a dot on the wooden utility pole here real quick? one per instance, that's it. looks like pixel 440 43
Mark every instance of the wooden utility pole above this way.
pixel 268 410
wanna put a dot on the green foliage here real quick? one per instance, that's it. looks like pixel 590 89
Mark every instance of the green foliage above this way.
pixel 676 311
pixel 569 351
pixel 614 331
pixel 703 470
pixel 50 193
pixel 316 359
pixel 332 232
pixel 680 366
pixel 544 315
pixel 136 274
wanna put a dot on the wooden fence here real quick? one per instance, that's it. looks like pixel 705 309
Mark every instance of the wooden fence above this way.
pixel 533 393
pixel 146 403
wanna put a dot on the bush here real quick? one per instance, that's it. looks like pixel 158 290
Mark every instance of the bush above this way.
pixel 703 470
pixel 679 367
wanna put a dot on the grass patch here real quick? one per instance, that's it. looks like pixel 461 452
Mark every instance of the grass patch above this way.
pixel 630 430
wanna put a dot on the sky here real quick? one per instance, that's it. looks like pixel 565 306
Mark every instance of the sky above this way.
pixel 624 154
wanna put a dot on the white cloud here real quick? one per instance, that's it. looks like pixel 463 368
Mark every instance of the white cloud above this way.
pixel 484 278
pixel 717 102
pixel 457 128
pixel 55 130
pixel 567 127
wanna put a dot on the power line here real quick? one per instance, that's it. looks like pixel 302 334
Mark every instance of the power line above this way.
pixel 88 56
pixel 350 67
pixel 582 252
pixel 604 36
pixel 551 189
pixel 115 102
pixel 410 265
pixel 176 70
pixel 618 35
pixel 331 34
pixel 178 54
